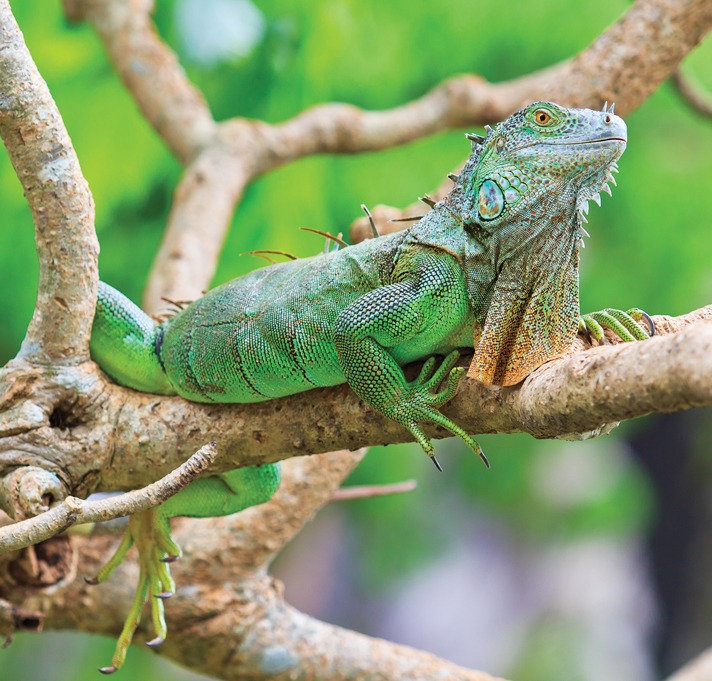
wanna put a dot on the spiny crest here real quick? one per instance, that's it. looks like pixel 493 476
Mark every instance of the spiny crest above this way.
pixel 583 199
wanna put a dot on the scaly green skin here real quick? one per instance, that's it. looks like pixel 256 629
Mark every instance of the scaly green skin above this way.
pixel 494 267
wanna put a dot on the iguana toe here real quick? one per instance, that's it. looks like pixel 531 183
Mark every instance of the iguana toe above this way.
pixel 423 402
pixel 150 531
pixel 624 324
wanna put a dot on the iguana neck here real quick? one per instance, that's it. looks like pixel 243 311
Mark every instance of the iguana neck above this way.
pixel 553 216
pixel 550 224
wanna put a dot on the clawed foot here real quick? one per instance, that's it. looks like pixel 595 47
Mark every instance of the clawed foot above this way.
pixel 421 403
pixel 150 531
pixel 624 324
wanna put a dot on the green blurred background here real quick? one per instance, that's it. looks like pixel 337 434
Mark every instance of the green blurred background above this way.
pixel 566 560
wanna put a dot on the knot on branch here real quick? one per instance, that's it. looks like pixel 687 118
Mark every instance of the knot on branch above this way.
pixel 29 491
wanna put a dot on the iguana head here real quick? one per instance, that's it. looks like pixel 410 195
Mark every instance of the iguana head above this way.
pixel 541 147
pixel 523 197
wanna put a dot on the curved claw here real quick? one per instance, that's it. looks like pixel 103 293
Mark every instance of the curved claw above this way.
pixel 155 641
pixel 650 323
pixel 583 329
pixel 108 670
pixel 170 559
pixel 638 314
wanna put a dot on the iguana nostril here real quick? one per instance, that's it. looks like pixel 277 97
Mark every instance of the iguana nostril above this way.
pixel 608 119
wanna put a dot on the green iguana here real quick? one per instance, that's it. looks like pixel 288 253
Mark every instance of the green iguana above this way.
pixel 494 267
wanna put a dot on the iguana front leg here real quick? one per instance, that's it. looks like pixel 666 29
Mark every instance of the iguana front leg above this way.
pixel 398 316
pixel 624 324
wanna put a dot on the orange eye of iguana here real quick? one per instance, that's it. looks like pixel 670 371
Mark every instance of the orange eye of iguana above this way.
pixel 542 117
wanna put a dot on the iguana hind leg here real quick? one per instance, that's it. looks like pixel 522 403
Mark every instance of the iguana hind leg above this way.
pixel 214 496
pixel 150 531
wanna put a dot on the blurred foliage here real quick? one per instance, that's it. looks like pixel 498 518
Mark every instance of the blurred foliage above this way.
pixel 650 245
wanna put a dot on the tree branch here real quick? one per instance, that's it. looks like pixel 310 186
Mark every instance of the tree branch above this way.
pixel 225 601
pixel 151 73
pixel 368 491
pixel 692 94
pixel 582 391
pixel 13 618
pixel 73 511
pixel 59 198
pixel 135 437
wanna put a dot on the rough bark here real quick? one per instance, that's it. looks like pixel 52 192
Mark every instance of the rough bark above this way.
pixel 59 198
pixel 73 511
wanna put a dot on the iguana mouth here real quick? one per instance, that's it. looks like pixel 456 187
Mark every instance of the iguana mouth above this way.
pixel 596 141
pixel 602 139
pixel 570 144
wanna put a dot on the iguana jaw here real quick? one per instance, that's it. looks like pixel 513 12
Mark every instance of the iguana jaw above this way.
pixel 599 140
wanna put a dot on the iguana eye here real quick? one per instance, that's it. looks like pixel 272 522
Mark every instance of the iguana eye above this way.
pixel 542 116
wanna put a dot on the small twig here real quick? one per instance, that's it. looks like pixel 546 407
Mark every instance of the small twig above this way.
pixel 180 304
pixel 692 93
pixel 374 230
pixel 414 218
pixel 339 241
pixel 367 491
pixel 73 511
pixel 259 255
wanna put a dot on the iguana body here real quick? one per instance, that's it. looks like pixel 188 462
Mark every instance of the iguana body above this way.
pixel 494 267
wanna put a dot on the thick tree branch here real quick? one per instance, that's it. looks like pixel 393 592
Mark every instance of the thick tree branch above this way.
pixel 203 204
pixel 59 198
pixel 14 618
pixel 151 72
pixel 225 602
pixel 135 437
